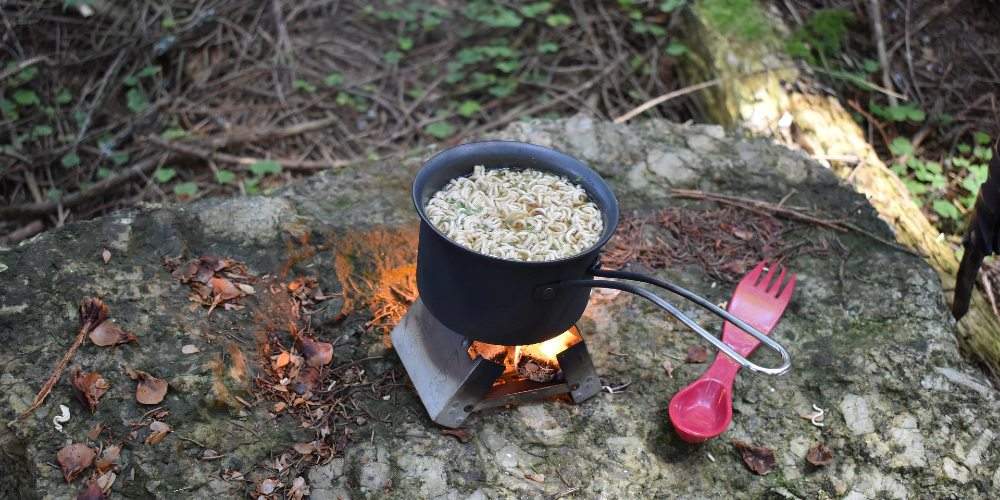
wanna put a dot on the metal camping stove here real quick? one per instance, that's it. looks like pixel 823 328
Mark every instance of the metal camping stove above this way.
pixel 452 385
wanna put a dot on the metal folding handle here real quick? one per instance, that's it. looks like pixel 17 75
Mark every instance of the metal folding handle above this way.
pixel 786 360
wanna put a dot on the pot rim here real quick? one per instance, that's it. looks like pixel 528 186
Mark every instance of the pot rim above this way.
pixel 607 233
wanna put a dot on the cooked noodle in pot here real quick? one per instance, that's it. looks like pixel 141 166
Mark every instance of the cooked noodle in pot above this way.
pixel 524 215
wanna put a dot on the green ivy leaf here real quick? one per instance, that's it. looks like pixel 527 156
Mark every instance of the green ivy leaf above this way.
pixel 164 174
pixel 964 149
pixel 54 194
pixel 264 167
pixel 981 138
pixel 392 57
pixel 119 159
pixel 41 131
pixel 533 9
pixel 548 48
pixel 64 97
pixel 26 75
pixel 172 134
pixel 557 20
pixel 147 71
pixel 670 5
pixel 468 108
pixel 168 23
pixel 25 97
pixel 250 186
pixel 405 43
pixel 136 100
pixel 676 48
pixel 130 81
pixel 440 130
pixel 507 66
pixel 870 65
pixel 103 172
pixel 945 209
pixel 333 79
pixel 70 160
pixel 303 86
pixel 983 153
pixel 971 184
pixel 224 177
pixel 8 109
pixel 186 189
pixel 901 146
pixel 916 188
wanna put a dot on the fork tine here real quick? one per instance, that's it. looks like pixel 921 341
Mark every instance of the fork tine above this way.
pixel 767 279
pixel 774 286
pixel 786 291
pixel 752 277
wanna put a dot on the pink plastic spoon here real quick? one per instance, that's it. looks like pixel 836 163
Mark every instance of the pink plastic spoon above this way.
pixel 704 409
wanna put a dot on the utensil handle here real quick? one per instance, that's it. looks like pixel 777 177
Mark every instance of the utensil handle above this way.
pixel 786 361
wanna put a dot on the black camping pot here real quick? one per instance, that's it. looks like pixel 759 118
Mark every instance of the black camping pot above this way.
pixel 508 302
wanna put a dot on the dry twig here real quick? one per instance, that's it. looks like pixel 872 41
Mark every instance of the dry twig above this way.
pixel 93 312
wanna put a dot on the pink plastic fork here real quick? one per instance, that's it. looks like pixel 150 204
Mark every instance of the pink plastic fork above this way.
pixel 704 409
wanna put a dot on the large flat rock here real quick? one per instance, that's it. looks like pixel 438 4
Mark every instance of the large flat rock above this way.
pixel 871 340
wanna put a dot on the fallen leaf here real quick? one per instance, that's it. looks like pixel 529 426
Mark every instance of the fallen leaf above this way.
pixel 108 333
pixel 316 353
pixel 268 486
pixel 246 289
pixel 668 367
pixel 819 455
pixel 538 478
pixel 106 255
pixel 461 434
pixel 299 489
pixel 210 454
pixel 306 381
pixel 279 407
pixel 159 431
pixel 150 390
pixel 758 459
pixel 93 311
pixel 90 386
pixel 225 290
pixel 93 491
pixel 95 431
pixel 190 349
pixel 697 354
pixel 74 459
pixel 304 448
pixel 109 459
pixel 282 360
pixel 106 481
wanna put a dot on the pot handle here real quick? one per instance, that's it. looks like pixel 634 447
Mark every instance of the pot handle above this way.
pixel 786 361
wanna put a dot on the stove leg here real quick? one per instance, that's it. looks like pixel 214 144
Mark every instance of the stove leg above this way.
pixel 578 369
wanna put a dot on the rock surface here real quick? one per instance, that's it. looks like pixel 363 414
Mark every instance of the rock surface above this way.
pixel 872 345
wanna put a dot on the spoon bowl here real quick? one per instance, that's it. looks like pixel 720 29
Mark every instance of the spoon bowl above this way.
pixel 702 410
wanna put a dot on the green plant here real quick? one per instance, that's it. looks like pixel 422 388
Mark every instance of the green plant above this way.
pixel 821 37
pixel 737 18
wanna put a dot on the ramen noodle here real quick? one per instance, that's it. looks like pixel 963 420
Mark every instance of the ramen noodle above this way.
pixel 523 215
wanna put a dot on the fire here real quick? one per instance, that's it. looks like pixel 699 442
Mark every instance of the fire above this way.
pixel 548 350
pixel 538 362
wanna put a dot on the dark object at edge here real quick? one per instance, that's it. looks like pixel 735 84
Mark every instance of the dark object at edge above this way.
pixel 981 239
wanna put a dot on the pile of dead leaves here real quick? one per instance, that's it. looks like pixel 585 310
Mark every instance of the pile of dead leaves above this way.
pixel 214 281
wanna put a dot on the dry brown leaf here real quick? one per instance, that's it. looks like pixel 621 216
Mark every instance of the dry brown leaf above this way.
pixel 93 491
pixel 108 333
pixel 299 489
pixel 90 387
pixel 279 407
pixel 95 431
pixel 150 390
pixel 282 360
pixel 106 481
pixel 106 255
pixel 758 459
pixel 316 353
pixel 74 459
pixel 697 354
pixel 246 289
pixel 668 367
pixel 109 459
pixel 819 455
pixel 159 431
pixel 460 434
pixel 538 478
pixel 238 370
pixel 190 349
pixel 225 290
pixel 304 448
pixel 268 486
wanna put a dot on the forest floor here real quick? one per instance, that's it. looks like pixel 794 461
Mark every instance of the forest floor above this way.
pixel 111 104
